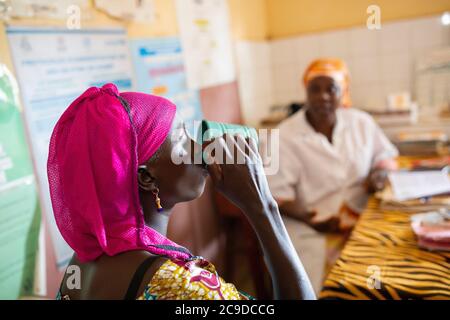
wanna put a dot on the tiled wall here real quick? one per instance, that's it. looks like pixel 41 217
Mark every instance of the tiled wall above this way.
pixel 380 62
pixel 255 80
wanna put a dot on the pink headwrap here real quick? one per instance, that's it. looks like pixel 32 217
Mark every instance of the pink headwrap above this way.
pixel 95 151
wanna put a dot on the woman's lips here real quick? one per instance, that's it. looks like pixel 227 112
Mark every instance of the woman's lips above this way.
pixel 325 110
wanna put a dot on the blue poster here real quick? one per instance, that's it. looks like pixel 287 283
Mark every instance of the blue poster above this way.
pixel 159 70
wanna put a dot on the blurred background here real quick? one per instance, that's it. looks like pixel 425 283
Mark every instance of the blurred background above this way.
pixel 224 60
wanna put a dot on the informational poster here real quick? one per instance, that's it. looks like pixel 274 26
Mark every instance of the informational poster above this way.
pixel 54 66
pixel 20 215
pixel 159 69
pixel 205 35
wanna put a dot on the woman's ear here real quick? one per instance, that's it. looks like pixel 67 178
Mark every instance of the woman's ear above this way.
pixel 146 181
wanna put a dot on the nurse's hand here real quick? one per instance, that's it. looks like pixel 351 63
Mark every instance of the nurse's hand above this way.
pixel 330 225
pixel 377 180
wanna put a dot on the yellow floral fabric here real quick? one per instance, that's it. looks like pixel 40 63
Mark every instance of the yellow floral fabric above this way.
pixel 192 280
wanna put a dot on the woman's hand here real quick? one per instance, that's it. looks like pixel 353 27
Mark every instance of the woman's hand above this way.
pixel 237 172
pixel 240 176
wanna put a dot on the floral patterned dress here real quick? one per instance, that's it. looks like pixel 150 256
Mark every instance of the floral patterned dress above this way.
pixel 191 280
pixel 194 279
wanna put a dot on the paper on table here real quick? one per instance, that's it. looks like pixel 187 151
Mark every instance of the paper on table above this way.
pixel 418 184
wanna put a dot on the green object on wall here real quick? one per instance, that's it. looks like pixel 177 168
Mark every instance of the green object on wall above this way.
pixel 20 215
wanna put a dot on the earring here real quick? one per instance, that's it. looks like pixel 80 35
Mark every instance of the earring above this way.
pixel 157 200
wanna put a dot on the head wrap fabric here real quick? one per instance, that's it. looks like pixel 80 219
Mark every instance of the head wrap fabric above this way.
pixel 333 68
pixel 95 150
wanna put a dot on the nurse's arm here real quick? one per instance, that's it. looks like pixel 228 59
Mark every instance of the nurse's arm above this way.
pixel 377 179
pixel 291 209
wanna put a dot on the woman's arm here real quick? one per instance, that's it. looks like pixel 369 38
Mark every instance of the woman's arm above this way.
pixel 289 278
pixel 246 186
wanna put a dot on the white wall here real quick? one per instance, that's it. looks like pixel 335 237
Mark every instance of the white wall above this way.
pixel 255 80
pixel 380 62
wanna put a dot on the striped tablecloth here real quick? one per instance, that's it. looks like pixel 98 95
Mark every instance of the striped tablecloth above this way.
pixel 381 260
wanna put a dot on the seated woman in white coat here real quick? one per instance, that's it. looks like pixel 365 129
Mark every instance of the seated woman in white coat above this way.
pixel 331 158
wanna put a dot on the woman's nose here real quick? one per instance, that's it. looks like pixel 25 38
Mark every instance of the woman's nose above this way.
pixel 326 95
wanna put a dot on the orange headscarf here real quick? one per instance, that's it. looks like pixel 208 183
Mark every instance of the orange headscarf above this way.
pixel 334 68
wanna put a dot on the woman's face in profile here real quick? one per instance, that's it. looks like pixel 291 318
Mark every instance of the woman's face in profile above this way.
pixel 179 179
pixel 324 96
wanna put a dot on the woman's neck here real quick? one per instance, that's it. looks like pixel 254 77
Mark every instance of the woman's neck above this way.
pixel 158 221
pixel 323 125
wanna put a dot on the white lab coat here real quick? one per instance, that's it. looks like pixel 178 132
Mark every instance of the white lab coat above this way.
pixel 320 176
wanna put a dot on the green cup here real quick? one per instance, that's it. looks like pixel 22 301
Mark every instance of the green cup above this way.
pixel 211 130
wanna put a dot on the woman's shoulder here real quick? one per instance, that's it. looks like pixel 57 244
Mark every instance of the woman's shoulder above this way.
pixel 109 277
pixel 356 117
pixel 294 128
pixel 355 113
pixel 293 121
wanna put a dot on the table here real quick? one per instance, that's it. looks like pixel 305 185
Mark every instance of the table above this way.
pixel 382 261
